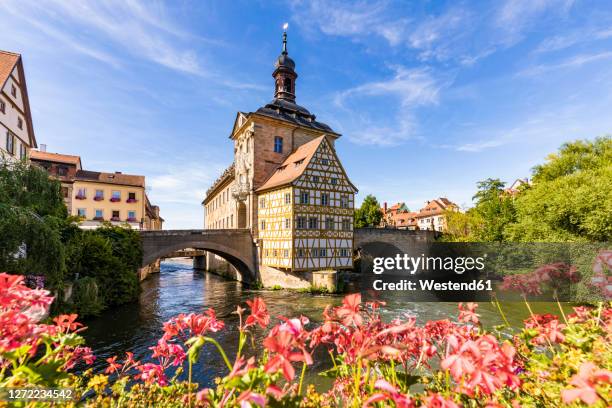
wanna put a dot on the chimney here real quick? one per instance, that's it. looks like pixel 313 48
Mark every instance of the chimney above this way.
pixel 43 147
pixel 117 172
pixel 385 207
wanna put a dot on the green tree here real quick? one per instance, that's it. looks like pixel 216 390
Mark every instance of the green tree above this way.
pixel 28 186
pixel 369 214
pixel 570 198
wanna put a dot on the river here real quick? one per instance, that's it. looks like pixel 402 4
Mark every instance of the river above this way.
pixel 179 289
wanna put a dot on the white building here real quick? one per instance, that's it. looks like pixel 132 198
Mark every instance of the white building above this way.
pixel 16 130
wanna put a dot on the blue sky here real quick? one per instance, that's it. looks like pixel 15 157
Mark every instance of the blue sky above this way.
pixel 430 96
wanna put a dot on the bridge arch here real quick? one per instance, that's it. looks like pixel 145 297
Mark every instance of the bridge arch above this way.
pixel 236 246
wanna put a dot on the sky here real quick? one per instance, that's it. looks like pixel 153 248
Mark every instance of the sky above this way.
pixel 430 96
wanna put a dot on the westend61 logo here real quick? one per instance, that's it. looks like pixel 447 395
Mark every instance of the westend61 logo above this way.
pixel 413 264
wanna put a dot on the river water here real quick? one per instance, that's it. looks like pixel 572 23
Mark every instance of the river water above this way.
pixel 179 289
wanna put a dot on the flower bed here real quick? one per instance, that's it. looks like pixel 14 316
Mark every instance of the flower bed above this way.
pixel 114 218
pixel 131 220
pixel 98 198
pixel 80 197
pixel 98 218
pixel 115 199
pixel 131 200
pixel 442 363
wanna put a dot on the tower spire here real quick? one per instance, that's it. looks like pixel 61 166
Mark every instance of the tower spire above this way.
pixel 284 74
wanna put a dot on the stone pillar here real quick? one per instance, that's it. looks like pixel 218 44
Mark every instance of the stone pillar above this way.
pixel 327 279
pixel 199 262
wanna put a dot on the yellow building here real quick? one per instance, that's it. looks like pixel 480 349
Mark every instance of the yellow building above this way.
pixel 115 197
pixel 98 197
pixel 16 130
pixel 283 154
pixel 306 211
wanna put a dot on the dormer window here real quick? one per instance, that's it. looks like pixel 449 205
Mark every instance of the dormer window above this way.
pixel 297 163
pixel 278 144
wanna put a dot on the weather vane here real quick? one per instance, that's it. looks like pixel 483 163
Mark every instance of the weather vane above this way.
pixel 285 26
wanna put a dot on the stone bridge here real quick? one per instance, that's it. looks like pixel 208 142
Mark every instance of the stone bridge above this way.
pixel 234 245
pixel 389 242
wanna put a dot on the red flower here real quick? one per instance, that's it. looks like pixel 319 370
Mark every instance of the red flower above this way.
pixel 389 393
pixel 349 311
pixel 259 313
pixel 585 382
pixel 437 401
pixel 152 374
pixel 168 353
pixel 113 366
pixel 67 323
pixel 468 314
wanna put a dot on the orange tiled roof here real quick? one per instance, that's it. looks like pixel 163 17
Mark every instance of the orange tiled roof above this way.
pixel 55 157
pixel 110 178
pixel 7 64
pixel 289 170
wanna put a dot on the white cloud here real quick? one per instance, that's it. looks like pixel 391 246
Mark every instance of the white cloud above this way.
pixel 362 18
pixel 179 192
pixel 515 14
pixel 411 87
pixel 574 62
pixel 560 42
pixel 130 24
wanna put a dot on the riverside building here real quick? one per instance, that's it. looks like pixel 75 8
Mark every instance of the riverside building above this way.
pixel 287 186
pixel 16 130
pixel 97 197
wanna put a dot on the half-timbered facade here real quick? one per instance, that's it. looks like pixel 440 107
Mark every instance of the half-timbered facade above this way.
pixel 16 129
pixel 306 211
pixel 286 184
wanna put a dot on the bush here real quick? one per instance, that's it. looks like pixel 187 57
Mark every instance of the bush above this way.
pixel 85 297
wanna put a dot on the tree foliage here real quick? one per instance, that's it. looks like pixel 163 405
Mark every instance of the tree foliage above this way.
pixel 39 238
pixel 569 201
pixel 369 214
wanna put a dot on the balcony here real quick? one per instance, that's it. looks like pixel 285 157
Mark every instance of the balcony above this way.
pixel 98 218
pixel 80 197
pixel 131 200
pixel 115 199
pixel 115 219
pixel 98 198
pixel 131 219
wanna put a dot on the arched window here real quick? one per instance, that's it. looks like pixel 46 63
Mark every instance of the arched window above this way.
pixel 278 144
pixel 287 85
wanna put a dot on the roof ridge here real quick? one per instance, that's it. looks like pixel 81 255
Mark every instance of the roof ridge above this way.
pixel 10 53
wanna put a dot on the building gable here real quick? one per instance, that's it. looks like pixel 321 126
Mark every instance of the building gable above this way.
pixel 324 171
pixel 14 90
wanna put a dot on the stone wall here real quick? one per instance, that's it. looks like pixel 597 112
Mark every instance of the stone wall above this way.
pixel 146 270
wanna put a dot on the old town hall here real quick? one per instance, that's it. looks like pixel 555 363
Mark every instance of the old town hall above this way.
pixel 287 185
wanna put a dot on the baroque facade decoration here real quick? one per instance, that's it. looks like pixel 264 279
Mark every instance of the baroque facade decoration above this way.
pixel 286 184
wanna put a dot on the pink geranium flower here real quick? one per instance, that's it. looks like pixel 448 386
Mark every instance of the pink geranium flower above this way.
pixel 588 377
pixel 349 311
